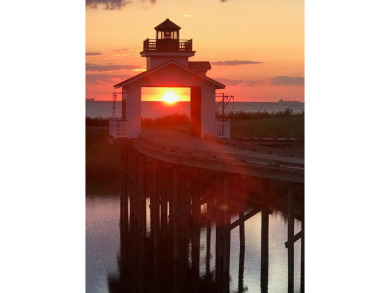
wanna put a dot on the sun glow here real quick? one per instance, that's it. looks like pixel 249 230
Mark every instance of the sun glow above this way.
pixel 170 97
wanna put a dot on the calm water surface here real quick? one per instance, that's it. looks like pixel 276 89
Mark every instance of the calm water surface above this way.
pixel 103 248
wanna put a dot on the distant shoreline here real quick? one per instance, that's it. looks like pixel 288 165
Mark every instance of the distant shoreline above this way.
pixel 297 101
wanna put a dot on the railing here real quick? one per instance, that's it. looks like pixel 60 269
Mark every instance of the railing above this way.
pixel 220 107
pixel 168 45
pixel 223 128
pixel 118 128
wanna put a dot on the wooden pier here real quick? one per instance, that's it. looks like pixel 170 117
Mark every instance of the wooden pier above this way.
pixel 190 183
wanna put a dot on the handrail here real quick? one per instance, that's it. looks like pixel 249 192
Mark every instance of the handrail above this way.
pixel 118 128
pixel 168 45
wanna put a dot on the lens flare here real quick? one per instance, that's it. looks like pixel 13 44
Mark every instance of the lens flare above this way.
pixel 170 97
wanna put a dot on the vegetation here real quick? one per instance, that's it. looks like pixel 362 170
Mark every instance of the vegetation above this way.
pixel 291 127
pixel 174 119
pixel 96 121
pixel 239 116
pixel 103 159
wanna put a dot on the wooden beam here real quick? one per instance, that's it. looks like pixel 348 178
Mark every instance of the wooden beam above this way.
pixel 237 222
pixel 293 240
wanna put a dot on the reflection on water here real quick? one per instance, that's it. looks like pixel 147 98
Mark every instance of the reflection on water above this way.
pixel 102 240
pixel 119 260
pixel 174 228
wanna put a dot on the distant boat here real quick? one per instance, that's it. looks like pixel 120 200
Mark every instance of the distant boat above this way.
pixel 289 101
pixel 90 100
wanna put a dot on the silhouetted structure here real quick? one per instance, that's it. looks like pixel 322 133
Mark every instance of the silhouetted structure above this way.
pixel 168 66
pixel 191 182
pixel 183 200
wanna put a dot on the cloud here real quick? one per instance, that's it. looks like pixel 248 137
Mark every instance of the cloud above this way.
pixel 287 80
pixel 109 67
pixel 235 62
pixel 232 82
pixel 109 4
pixel 92 53
pixel 276 81
pixel 112 4
pixel 117 4
pixel 104 78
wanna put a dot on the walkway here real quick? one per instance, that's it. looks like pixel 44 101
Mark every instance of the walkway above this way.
pixel 178 148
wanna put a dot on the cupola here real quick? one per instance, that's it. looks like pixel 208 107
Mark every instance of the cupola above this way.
pixel 167 46
pixel 167 30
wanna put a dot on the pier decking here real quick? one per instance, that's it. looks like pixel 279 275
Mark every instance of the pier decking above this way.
pixel 222 177
pixel 221 155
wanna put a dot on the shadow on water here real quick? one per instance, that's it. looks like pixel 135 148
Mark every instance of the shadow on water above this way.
pixel 163 211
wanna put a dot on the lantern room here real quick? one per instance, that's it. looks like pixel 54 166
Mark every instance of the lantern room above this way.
pixel 167 36
pixel 167 46
pixel 167 30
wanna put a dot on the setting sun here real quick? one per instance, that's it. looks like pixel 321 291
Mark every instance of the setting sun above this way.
pixel 170 97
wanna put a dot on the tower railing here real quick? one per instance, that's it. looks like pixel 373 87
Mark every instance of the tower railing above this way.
pixel 167 45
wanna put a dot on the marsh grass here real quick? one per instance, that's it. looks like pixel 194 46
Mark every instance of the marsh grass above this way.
pixel 103 159
pixel 289 127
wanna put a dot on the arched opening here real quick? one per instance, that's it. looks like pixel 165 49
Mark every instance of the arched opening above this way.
pixel 167 107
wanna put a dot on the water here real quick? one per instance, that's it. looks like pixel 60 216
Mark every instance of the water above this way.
pixel 159 109
pixel 114 256
pixel 104 251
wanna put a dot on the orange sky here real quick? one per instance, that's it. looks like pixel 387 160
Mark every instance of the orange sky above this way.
pixel 256 48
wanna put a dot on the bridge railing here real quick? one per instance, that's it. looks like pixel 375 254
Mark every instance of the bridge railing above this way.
pixel 118 128
pixel 223 128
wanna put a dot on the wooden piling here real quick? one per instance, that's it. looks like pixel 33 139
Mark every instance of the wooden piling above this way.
pixel 290 237
pixel 265 239
pixel 218 239
pixel 303 255
pixel 208 236
pixel 196 213
pixel 154 200
pixel 178 263
pixel 226 236
pixel 164 217
pixel 242 253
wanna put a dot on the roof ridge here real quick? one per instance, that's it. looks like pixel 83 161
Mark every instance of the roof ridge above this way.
pixel 136 77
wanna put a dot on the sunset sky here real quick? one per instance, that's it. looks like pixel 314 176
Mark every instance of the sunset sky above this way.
pixel 256 48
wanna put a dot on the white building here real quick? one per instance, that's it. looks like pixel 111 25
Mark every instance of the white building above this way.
pixel 168 66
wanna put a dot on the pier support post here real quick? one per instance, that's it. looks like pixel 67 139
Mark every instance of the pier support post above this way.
pixel 242 249
pixel 178 262
pixel 303 254
pixel 164 217
pixel 141 203
pixel 154 201
pixel 124 221
pixel 208 235
pixel 265 239
pixel 219 238
pixel 290 237
pixel 226 236
pixel 196 213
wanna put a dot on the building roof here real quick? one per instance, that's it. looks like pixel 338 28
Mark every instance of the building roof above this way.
pixel 167 25
pixel 160 67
